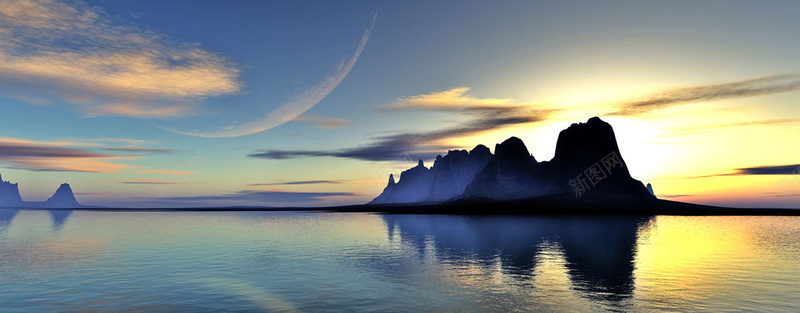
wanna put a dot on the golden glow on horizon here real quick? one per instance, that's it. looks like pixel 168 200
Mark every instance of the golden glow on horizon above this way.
pixel 667 146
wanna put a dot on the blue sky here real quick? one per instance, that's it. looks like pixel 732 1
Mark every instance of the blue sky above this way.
pixel 115 97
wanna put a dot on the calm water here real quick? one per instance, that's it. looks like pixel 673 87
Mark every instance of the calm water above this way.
pixel 321 262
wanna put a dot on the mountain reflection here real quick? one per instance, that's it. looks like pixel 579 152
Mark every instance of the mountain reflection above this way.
pixel 6 216
pixel 598 250
pixel 59 218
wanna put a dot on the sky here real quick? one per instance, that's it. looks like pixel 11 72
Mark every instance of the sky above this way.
pixel 315 103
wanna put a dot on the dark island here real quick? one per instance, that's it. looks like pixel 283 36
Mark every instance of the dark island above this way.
pixel 587 176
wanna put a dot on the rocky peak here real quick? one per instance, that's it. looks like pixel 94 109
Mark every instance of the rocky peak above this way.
pixel 480 151
pixel 511 148
pixel 9 194
pixel 511 173
pixel 63 198
pixel 587 155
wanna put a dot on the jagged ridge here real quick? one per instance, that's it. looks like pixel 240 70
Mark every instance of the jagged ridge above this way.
pixel 587 166
pixel 9 194
pixel 447 178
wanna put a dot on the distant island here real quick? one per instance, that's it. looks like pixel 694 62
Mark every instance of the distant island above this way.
pixel 587 175
pixel 63 198
pixel 587 168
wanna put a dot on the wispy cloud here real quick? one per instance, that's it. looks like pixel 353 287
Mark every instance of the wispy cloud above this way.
pixel 485 116
pixel 266 196
pixel 98 194
pixel 739 124
pixel 166 172
pixel 76 154
pixel 300 182
pixel 457 99
pixel 682 95
pixel 323 122
pixel 129 141
pixel 149 182
pixel 75 52
pixel 55 156
pixel 140 150
pixel 674 196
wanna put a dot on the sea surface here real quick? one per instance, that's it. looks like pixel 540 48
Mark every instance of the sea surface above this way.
pixel 79 261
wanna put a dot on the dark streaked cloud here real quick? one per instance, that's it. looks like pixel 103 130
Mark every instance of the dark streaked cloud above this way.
pixel 485 115
pixel 418 145
pixel 267 196
pixel 791 169
pixel 675 96
pixel 73 155
pixel 300 182
pixel 54 156
pixel 18 150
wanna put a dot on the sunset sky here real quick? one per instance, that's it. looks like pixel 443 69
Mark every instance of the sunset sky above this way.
pixel 312 103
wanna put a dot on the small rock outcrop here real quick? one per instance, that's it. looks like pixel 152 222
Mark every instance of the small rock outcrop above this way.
pixel 9 194
pixel 63 198
pixel 650 189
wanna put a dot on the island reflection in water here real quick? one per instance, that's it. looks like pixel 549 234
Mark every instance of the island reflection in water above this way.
pixel 310 262
pixel 598 251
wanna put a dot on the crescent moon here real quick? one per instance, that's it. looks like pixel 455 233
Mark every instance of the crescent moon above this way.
pixel 292 108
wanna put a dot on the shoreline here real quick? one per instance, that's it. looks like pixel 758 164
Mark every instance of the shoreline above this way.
pixel 525 207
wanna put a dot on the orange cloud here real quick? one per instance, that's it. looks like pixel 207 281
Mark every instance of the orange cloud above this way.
pixel 453 98
pixel 82 55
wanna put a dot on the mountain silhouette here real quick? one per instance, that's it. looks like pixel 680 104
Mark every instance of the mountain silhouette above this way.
pixel 587 154
pixel 414 186
pixel 512 173
pixel 9 194
pixel 453 172
pixel 63 198
pixel 587 169
pixel 446 179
